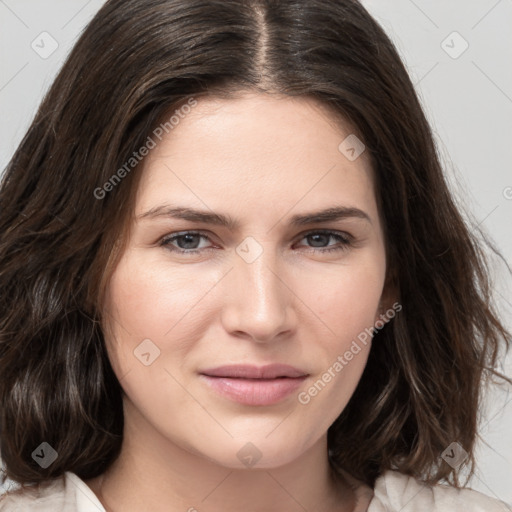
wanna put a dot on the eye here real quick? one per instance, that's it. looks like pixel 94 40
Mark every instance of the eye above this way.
pixel 189 242
pixel 320 240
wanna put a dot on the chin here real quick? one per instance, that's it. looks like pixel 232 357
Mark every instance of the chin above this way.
pixel 253 452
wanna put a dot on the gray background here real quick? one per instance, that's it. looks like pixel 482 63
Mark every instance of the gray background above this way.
pixel 466 92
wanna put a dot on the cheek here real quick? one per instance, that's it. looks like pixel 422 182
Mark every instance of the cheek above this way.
pixel 328 393
pixel 348 309
pixel 347 301
pixel 143 305
pixel 347 306
pixel 147 300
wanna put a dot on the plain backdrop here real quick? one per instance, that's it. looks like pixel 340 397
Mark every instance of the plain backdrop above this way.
pixel 458 53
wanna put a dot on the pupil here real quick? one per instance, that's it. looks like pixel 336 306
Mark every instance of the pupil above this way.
pixel 186 240
pixel 315 239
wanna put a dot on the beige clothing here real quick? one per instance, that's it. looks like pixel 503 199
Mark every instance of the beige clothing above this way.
pixel 393 492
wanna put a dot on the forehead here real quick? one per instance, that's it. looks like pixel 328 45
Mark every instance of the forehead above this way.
pixel 258 153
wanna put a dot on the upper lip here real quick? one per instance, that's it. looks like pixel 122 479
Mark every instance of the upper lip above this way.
pixel 242 371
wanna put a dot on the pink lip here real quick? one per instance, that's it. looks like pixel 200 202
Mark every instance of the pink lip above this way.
pixel 246 371
pixel 253 385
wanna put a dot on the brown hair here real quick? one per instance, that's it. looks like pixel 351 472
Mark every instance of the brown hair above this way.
pixel 139 59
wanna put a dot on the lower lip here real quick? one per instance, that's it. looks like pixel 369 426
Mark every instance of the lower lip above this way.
pixel 254 391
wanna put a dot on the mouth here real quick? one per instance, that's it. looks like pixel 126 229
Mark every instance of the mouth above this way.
pixel 254 385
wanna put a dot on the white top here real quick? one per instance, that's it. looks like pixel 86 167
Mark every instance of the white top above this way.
pixel 393 492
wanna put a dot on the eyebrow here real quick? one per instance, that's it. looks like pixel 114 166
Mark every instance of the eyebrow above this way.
pixel 207 217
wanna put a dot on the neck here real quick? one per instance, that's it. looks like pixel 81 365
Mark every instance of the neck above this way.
pixel 152 473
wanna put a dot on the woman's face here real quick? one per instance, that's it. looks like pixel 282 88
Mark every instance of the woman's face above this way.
pixel 273 286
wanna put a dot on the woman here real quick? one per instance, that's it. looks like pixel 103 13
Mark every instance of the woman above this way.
pixel 234 277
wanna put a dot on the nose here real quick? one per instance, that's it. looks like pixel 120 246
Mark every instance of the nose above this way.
pixel 258 302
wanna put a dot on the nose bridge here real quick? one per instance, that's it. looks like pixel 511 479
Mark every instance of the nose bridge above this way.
pixel 259 279
pixel 262 281
pixel 259 304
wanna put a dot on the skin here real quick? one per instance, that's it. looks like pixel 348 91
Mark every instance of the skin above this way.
pixel 260 159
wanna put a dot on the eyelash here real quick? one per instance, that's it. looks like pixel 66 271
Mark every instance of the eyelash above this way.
pixel 346 240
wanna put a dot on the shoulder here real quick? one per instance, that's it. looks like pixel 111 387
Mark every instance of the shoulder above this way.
pixel 394 491
pixel 65 494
